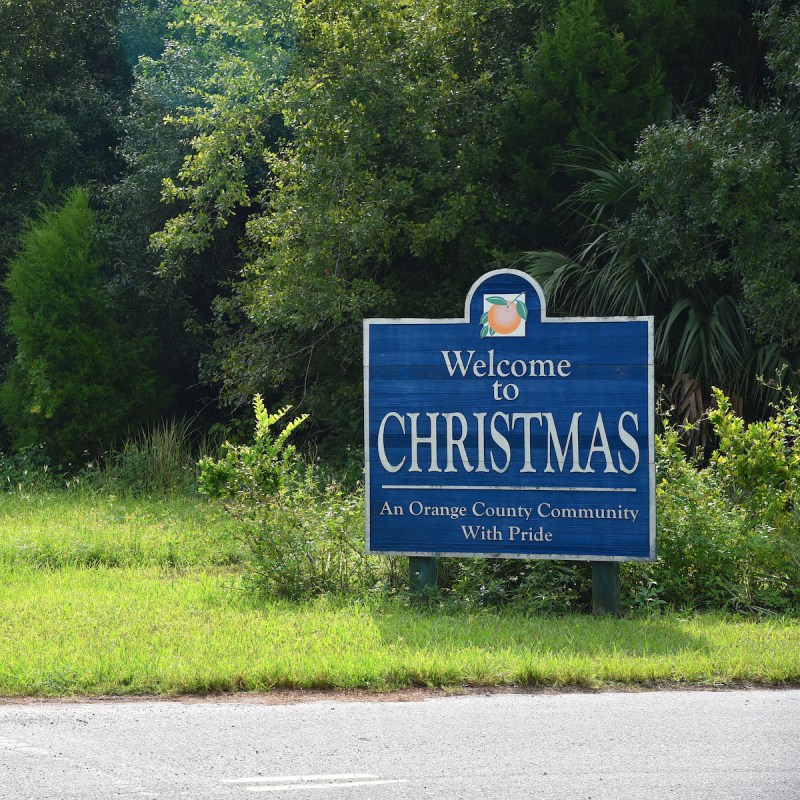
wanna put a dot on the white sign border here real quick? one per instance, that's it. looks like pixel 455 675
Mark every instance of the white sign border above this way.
pixel 543 319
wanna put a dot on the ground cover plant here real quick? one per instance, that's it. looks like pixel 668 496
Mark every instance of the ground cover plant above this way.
pixel 76 527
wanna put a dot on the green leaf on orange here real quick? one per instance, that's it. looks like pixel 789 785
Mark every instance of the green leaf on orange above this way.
pixel 522 309
pixel 497 301
pixel 485 318
pixel 485 331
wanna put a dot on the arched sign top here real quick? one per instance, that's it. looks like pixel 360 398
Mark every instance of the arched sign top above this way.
pixel 502 282
pixel 510 434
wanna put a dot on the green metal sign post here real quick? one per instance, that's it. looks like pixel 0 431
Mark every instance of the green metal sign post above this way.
pixel 605 588
pixel 422 580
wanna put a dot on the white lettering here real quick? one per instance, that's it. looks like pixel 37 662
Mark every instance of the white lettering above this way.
pixel 460 365
pixel 603 447
pixel 381 447
pixel 526 436
pixel 500 441
pixel 553 443
pixel 458 444
pixel 417 440
pixel 535 368
pixel 628 440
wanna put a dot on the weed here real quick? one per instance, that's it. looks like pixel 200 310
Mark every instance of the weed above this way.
pixel 160 459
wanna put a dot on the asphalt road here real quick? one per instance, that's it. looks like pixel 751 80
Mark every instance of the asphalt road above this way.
pixel 606 746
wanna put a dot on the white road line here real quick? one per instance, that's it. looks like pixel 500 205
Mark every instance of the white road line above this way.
pixel 293 778
pixel 288 786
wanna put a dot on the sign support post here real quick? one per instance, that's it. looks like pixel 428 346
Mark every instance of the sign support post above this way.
pixel 422 580
pixel 605 588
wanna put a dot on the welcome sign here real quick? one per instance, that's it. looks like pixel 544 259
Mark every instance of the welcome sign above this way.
pixel 510 434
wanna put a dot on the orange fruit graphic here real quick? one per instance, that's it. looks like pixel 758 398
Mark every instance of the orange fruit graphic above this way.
pixel 504 319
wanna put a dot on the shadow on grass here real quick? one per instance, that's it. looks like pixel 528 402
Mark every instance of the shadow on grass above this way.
pixel 569 634
pixel 453 628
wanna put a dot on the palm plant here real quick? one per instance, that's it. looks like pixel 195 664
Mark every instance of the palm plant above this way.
pixel 702 338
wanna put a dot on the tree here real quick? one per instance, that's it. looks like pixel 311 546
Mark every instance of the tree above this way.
pixel 599 72
pixel 79 380
pixel 198 125
pixel 63 79
pixel 381 201
pixel 701 228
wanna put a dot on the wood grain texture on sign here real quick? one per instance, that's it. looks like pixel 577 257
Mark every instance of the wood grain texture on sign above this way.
pixel 534 444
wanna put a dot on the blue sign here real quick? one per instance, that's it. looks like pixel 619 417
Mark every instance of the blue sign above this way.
pixel 510 434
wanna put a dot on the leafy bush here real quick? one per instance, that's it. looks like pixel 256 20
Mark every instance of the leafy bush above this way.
pixel 304 534
pixel 728 534
pixel 701 537
pixel 758 464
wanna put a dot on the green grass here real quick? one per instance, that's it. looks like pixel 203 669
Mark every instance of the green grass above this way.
pixel 148 630
pixel 74 528
pixel 116 595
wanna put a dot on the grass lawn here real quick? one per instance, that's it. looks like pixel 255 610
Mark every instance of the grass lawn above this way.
pixel 79 528
pixel 106 596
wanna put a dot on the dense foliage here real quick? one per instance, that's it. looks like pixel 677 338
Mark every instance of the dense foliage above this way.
pixel 274 171
pixel 425 140
pixel 728 532
pixel 382 197
pixel 259 175
pixel 63 80
pixel 701 228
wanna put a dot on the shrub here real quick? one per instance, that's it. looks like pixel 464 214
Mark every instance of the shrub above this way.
pixel 728 534
pixel 758 464
pixel 78 379
pixel 720 545
pixel 304 534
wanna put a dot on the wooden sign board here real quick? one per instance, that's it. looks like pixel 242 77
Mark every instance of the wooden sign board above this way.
pixel 509 434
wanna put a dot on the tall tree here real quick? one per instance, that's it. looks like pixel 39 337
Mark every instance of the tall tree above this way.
pixel 79 380
pixel 63 78
pixel 199 124
pixel 598 74
pixel 382 200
